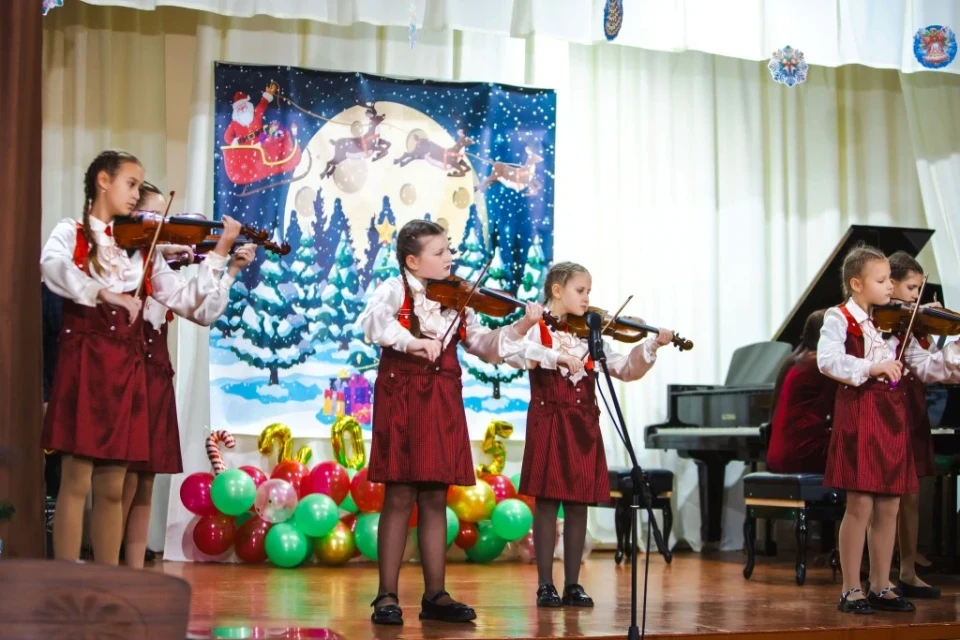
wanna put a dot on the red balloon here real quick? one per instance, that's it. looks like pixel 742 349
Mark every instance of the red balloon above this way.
pixel 195 494
pixel 502 487
pixel 293 472
pixel 453 494
pixel 413 516
pixel 251 539
pixel 351 521
pixel 467 536
pixel 214 535
pixel 330 479
pixel 368 496
pixel 259 477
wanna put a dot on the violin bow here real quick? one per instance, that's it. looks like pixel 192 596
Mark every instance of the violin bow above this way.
pixel 913 316
pixel 473 290
pixel 153 244
pixel 614 317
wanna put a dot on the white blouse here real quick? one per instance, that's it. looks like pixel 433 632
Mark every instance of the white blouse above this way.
pixel 121 272
pixel 833 360
pixel 381 326
pixel 209 310
pixel 529 352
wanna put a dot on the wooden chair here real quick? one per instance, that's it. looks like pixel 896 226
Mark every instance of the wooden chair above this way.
pixel 52 599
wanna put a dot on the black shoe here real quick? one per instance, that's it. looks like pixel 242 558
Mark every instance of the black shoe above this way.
pixel 149 556
pixel 861 606
pixel 547 596
pixel 911 591
pixel 388 613
pixel 575 596
pixel 878 602
pixel 896 589
pixel 453 612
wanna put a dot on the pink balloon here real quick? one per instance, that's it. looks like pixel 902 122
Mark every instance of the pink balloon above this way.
pixel 259 477
pixel 525 549
pixel 330 479
pixel 195 494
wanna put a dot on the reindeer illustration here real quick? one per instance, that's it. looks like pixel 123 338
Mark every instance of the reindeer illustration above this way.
pixel 364 146
pixel 451 159
pixel 515 176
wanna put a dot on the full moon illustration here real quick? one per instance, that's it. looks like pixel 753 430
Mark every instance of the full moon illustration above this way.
pixel 416 189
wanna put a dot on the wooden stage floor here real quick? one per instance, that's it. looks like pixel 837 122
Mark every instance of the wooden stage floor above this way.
pixel 698 596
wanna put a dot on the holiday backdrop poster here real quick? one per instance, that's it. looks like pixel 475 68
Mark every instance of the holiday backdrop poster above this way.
pixel 333 164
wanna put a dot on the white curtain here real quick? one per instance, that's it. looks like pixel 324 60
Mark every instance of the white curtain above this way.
pixel 689 180
pixel 876 33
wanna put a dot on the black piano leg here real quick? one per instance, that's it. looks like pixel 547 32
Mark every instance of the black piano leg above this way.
pixel 667 526
pixel 801 546
pixel 711 472
pixel 622 520
pixel 749 542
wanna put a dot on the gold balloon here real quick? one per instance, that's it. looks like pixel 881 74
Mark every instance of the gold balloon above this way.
pixel 336 547
pixel 304 455
pixel 473 504
pixel 352 428
pixel 276 436
pixel 496 429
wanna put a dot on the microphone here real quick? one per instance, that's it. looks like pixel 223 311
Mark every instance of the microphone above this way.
pixel 595 341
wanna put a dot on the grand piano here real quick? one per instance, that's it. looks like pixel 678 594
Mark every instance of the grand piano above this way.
pixel 716 424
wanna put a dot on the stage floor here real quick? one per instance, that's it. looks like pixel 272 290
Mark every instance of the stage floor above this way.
pixel 702 596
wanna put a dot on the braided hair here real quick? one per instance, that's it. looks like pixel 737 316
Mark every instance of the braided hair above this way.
pixel 409 243
pixel 110 162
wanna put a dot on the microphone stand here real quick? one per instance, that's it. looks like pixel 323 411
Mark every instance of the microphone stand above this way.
pixel 641 498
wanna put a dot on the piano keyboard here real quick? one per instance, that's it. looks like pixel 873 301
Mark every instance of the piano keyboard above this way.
pixel 708 431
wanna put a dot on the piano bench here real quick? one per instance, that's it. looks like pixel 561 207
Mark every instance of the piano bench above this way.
pixel 790 496
pixel 621 495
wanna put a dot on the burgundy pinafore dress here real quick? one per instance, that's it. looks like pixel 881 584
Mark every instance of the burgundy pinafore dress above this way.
pixel 915 397
pixel 419 425
pixel 165 454
pixel 98 402
pixel 870 446
pixel 563 456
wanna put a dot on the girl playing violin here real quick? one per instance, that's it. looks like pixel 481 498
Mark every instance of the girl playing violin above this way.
pixel 97 412
pixel 420 442
pixel 164 446
pixel 870 454
pixel 907 276
pixel 564 459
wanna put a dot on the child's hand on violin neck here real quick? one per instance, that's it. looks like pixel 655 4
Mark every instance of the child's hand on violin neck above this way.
pixel 122 300
pixel 231 231
pixel 425 348
pixel 573 364
pixel 243 257
pixel 891 370
pixel 664 337
pixel 532 316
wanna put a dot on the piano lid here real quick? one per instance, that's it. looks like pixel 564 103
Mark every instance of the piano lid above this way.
pixel 825 289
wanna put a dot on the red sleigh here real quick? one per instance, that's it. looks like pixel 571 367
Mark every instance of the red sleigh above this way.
pixel 246 164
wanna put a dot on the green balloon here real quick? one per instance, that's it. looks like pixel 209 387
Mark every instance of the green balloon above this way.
pixel 489 545
pixel 560 513
pixel 453 526
pixel 286 547
pixel 232 633
pixel 511 519
pixel 316 515
pixel 348 504
pixel 515 479
pixel 366 534
pixel 233 492
pixel 243 517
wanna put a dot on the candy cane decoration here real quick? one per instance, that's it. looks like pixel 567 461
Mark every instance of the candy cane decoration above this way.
pixel 213 449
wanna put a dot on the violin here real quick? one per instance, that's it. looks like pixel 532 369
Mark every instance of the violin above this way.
pixel 895 318
pixel 138 231
pixel 200 252
pixel 458 293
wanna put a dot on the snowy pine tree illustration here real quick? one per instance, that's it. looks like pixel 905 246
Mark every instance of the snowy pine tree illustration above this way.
pixel 272 335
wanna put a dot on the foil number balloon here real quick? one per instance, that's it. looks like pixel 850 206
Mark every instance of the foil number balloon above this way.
pixel 358 456
pixel 496 429
pixel 276 436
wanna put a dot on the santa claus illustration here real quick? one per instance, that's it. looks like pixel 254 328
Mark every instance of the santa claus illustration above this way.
pixel 248 120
